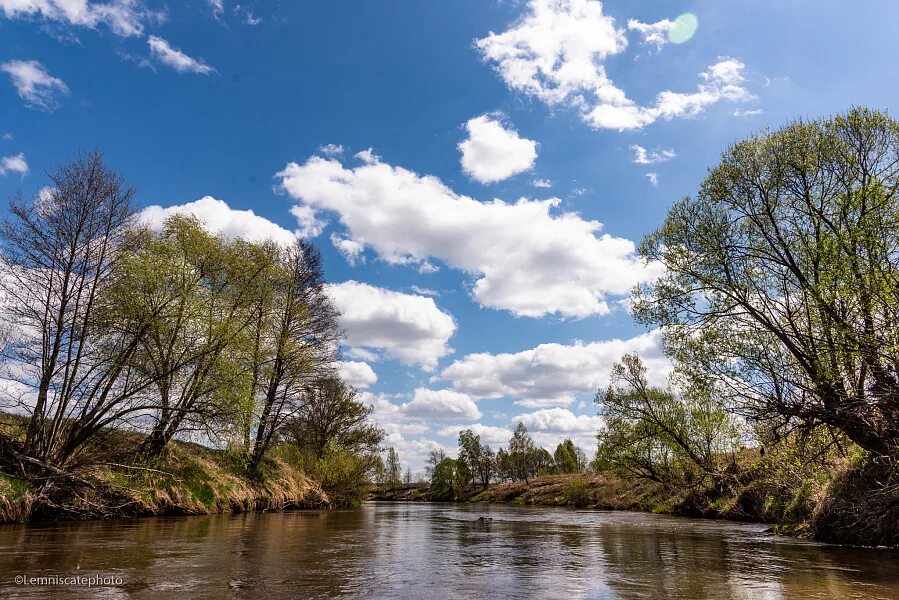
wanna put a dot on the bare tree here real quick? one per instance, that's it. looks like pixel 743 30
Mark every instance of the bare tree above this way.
pixel 67 357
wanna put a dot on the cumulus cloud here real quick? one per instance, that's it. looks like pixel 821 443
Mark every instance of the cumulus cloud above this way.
pixel 350 249
pixel 14 164
pixel 219 218
pixel 652 33
pixel 551 374
pixel 407 327
pixel 35 85
pixel 308 223
pixel 550 426
pixel 356 373
pixel 511 248
pixel 123 17
pixel 441 404
pixel 493 153
pixel 541 183
pixel 331 150
pixel 162 51
pixel 642 156
pixel 489 434
pixel 556 53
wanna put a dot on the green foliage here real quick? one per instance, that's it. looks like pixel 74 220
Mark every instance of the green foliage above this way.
pixel 443 480
pixel 577 493
pixel 566 457
pixel 522 454
pixel 343 474
pixel 651 433
pixel 780 277
pixel 392 470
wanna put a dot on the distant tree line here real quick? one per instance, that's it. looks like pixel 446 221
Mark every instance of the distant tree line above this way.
pixel 478 465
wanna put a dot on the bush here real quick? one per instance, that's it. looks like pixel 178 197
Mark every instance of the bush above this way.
pixel 577 493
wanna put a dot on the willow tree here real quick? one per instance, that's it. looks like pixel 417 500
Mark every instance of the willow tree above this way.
pixel 192 350
pixel 781 277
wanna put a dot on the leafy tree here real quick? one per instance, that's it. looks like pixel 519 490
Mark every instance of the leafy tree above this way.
pixel 655 434
pixel 566 457
pixel 542 462
pixel 521 454
pixel 331 414
pixel 190 350
pixel 504 469
pixel 392 469
pixel 407 477
pixel 780 278
pixel 479 458
pixel 435 457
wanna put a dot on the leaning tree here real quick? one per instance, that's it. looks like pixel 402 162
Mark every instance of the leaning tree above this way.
pixel 781 278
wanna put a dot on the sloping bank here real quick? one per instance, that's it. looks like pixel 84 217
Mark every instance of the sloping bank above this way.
pixel 188 479
pixel 841 510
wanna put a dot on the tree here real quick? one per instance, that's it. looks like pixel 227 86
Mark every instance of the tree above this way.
pixel 407 477
pixel 656 434
pixel 443 480
pixel 435 457
pixel 392 469
pixel 479 458
pixel 504 469
pixel 521 454
pixel 331 414
pixel 566 457
pixel 781 278
pixel 191 349
pixel 299 332
pixel 67 353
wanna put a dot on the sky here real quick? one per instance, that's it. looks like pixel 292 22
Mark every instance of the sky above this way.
pixel 477 174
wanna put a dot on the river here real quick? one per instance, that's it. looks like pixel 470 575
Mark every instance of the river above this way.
pixel 423 551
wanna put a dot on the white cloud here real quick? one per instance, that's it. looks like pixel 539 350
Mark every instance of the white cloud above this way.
pixel 489 434
pixel 541 183
pixel 414 452
pixel 34 85
pixel 409 328
pixel 493 153
pixel 551 374
pixel 721 81
pixel 162 51
pixel 368 156
pixel 512 249
pixel 350 249
pixel 123 17
pixel 550 426
pixel 357 374
pixel 441 405
pixel 14 164
pixel 642 156
pixel 7 136
pixel 331 149
pixel 219 218
pixel 748 113
pixel 217 6
pixel 653 178
pixel 556 52
pixel 652 33
pixel 309 224
pixel 425 291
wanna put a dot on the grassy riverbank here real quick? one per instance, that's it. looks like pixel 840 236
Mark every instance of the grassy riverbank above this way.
pixel 187 479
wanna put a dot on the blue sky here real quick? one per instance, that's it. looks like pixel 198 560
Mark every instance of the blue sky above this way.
pixel 467 308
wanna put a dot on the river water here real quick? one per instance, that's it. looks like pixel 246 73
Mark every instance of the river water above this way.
pixel 423 551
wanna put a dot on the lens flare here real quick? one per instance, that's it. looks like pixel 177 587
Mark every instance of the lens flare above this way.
pixel 684 28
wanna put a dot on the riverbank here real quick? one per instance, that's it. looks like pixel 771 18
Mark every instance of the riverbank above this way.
pixel 187 479
pixel 858 505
